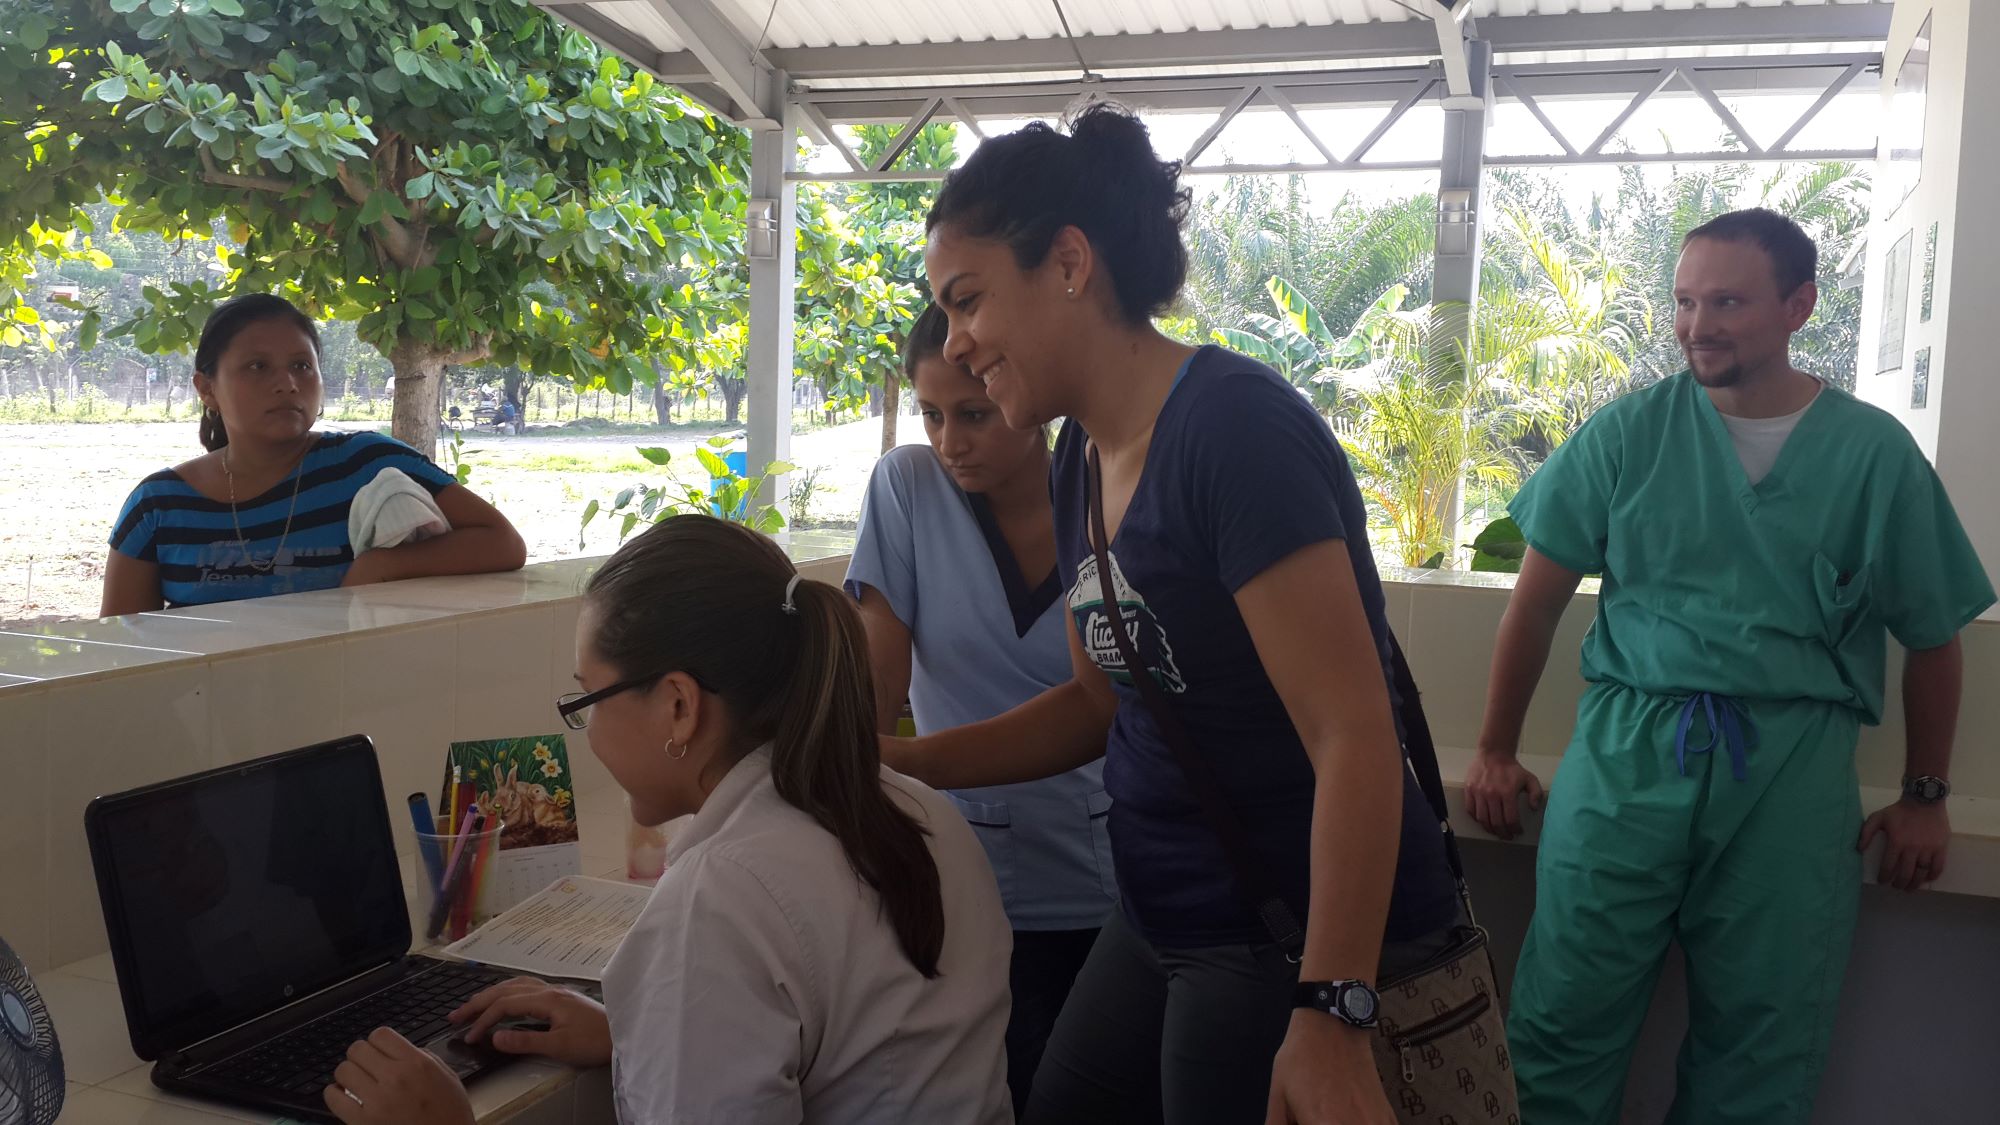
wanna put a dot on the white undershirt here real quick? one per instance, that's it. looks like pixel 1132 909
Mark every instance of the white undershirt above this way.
pixel 1759 440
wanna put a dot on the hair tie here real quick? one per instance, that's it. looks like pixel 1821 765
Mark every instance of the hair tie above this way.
pixel 791 588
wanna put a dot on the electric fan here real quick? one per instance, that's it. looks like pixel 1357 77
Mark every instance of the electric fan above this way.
pixel 31 1069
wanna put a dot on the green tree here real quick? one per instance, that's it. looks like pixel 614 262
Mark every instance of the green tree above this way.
pixel 469 180
pixel 851 326
pixel 891 224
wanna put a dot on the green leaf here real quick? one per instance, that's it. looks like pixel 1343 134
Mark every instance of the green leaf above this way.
pixel 623 498
pixel 1503 538
pixel 127 7
pixel 389 80
pixel 231 8
pixel 421 187
pixel 712 464
pixel 110 91
pixel 780 468
pixel 631 521
pixel 408 62
pixel 655 454
pixel 87 332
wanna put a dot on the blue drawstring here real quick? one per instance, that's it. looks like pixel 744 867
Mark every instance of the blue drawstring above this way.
pixel 1726 723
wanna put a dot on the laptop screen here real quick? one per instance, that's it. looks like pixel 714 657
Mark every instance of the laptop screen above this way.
pixel 232 893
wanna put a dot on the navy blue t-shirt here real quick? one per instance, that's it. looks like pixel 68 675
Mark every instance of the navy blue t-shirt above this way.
pixel 1241 474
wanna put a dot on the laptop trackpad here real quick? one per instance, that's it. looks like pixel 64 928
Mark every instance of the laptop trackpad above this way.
pixel 465 1058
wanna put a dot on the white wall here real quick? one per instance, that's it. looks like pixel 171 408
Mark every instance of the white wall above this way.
pixel 1958 191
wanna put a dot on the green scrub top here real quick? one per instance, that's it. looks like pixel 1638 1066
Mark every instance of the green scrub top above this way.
pixel 1782 590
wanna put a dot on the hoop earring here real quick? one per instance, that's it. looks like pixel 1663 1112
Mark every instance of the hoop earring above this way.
pixel 670 751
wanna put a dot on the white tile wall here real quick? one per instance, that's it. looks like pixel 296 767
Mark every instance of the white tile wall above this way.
pixel 277 700
pixel 105 736
pixel 24 826
pixel 503 673
pixel 396 688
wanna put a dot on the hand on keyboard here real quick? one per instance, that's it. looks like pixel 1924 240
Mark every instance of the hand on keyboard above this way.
pixel 386 1080
pixel 578 1032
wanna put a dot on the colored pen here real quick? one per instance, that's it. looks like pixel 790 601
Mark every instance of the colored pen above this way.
pixel 451 805
pixel 427 842
pixel 455 873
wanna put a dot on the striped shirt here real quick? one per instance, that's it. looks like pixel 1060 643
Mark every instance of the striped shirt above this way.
pixel 194 541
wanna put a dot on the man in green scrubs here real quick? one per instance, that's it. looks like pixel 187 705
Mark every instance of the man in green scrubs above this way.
pixel 1758 533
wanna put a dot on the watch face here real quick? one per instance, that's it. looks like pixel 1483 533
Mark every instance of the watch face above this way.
pixel 1358 1004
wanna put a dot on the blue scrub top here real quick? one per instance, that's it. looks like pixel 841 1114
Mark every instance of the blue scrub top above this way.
pixel 986 639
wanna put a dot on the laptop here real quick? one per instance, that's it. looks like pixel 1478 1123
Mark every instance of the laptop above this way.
pixel 259 928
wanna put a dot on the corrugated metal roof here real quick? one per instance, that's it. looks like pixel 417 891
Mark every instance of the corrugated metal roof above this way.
pixel 787 24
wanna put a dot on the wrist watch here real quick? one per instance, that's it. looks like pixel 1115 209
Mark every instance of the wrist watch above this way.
pixel 1350 1001
pixel 1926 790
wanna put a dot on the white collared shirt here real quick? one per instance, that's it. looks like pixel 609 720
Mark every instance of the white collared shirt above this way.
pixel 763 983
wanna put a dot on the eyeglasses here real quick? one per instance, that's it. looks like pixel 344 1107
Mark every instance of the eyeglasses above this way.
pixel 575 707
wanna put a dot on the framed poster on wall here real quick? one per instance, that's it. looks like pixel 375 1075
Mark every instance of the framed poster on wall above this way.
pixel 1895 305
pixel 1930 276
pixel 1903 131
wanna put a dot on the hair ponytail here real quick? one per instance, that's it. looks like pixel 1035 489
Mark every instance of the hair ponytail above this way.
pixel 707 597
pixel 827 761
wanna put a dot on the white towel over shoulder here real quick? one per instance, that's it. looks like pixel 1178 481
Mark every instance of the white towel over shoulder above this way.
pixel 392 510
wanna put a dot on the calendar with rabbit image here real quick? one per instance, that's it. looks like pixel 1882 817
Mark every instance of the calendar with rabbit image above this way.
pixel 526 784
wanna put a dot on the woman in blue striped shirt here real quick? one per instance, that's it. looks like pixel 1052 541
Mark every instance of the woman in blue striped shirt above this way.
pixel 265 511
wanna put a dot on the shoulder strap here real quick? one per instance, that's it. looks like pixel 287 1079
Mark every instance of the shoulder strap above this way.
pixel 1280 921
pixel 1421 753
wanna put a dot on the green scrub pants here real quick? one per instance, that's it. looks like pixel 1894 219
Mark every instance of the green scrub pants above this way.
pixel 1757 878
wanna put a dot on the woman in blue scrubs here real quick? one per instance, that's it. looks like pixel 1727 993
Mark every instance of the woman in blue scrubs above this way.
pixel 955 570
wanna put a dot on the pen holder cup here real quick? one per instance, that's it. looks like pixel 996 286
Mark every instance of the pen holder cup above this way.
pixel 455 898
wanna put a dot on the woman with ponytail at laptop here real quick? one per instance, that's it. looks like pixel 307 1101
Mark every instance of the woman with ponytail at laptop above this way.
pixel 827 945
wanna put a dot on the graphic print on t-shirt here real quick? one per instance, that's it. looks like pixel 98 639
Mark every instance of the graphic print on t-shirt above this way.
pixel 1149 639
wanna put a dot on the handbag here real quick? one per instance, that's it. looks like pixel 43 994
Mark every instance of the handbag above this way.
pixel 1440 1046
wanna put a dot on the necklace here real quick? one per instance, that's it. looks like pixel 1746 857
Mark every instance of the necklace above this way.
pixel 270 564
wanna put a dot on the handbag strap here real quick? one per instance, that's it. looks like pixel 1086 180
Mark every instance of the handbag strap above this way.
pixel 1420 753
pixel 1280 921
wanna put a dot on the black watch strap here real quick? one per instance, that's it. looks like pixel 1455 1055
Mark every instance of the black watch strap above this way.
pixel 1350 1001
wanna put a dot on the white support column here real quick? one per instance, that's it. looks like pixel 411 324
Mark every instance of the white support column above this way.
pixel 768 410
pixel 1460 170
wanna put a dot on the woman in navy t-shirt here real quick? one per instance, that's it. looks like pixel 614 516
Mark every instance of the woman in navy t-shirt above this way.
pixel 1240 559
pixel 265 511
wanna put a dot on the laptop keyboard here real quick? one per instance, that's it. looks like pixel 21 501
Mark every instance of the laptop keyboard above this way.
pixel 302 1060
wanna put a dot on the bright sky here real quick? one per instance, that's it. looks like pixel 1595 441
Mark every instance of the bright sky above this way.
pixel 1678 123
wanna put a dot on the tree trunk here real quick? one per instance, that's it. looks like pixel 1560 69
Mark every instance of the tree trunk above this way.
pixel 419 390
pixel 732 397
pixel 891 407
pixel 514 382
pixel 663 407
